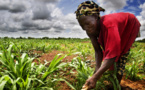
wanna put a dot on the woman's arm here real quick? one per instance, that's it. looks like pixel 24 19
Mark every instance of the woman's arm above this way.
pixel 107 63
pixel 98 51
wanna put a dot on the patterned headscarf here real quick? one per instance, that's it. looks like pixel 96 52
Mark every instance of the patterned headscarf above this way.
pixel 88 8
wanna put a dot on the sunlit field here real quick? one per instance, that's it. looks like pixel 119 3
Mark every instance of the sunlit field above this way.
pixel 62 64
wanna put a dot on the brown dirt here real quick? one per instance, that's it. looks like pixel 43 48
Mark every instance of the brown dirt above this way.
pixel 126 84
pixel 38 52
pixel 132 85
pixel 86 42
pixel 48 56
pixel 51 55
pixel 64 86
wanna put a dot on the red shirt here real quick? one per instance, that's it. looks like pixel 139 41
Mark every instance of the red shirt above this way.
pixel 118 32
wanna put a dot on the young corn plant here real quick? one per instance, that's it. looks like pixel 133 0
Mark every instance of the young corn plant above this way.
pixel 15 67
pixel 84 72
pixel 132 70
pixel 45 74
pixel 18 72
pixel 54 65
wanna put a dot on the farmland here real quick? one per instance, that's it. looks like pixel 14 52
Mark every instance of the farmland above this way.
pixel 62 64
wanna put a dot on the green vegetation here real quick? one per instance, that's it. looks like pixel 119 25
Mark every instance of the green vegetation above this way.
pixel 20 71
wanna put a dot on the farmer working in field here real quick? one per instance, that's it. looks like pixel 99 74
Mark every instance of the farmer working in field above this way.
pixel 115 33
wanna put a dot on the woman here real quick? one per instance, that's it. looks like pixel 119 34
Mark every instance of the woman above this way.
pixel 115 33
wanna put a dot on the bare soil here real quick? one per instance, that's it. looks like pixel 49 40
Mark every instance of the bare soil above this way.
pixel 126 84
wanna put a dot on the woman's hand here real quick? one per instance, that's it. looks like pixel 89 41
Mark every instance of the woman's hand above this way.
pixel 90 83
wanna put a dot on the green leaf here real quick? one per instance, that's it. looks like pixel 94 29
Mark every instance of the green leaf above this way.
pixel 2 84
pixel 28 83
pixel 114 85
pixel 45 88
pixel 40 68
pixel 54 65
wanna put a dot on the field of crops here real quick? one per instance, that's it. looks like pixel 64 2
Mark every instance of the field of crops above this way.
pixel 62 64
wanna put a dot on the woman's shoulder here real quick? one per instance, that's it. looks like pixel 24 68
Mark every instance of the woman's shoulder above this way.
pixel 114 18
pixel 107 21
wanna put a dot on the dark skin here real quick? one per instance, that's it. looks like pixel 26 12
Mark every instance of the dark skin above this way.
pixel 92 27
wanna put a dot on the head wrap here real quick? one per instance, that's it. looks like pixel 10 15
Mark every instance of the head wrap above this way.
pixel 88 8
